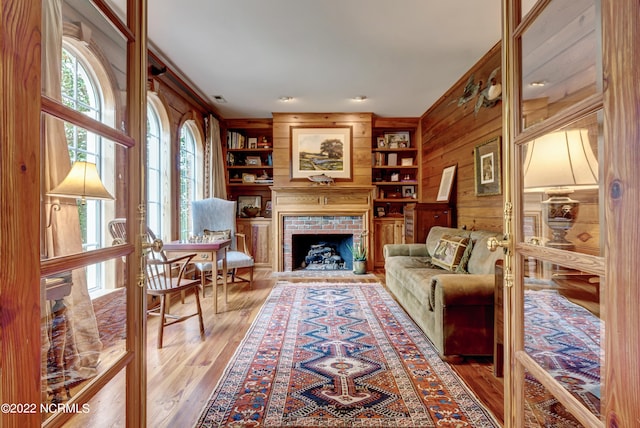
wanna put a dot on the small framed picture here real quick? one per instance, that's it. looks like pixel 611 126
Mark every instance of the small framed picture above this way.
pixel 406 161
pixel 408 191
pixel 252 143
pixel 267 208
pixel 398 139
pixel 248 202
pixel 381 143
pixel 380 211
pixel 253 161
pixel 248 178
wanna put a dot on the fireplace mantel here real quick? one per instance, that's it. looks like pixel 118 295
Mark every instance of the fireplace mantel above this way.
pixel 318 201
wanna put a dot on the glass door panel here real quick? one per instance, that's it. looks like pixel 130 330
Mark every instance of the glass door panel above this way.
pixel 83 334
pixel 560 65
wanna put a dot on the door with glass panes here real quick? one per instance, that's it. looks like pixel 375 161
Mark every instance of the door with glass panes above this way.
pixel 571 145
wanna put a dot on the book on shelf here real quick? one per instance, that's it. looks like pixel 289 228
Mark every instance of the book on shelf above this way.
pixel 235 140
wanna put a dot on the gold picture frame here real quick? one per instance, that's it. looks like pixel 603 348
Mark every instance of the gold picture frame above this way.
pixel 488 168
pixel 326 150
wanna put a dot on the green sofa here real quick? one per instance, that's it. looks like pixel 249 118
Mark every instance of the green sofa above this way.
pixel 453 308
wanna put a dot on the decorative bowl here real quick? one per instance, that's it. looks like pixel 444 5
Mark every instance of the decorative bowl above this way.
pixel 251 211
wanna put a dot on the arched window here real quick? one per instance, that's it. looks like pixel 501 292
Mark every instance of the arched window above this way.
pixel 86 88
pixel 81 92
pixel 154 172
pixel 188 177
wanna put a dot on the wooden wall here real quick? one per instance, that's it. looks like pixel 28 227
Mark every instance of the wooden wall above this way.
pixel 449 134
pixel 361 144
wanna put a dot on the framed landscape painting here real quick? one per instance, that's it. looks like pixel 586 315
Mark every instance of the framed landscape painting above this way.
pixel 316 151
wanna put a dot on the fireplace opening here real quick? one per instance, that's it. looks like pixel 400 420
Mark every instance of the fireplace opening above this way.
pixel 322 252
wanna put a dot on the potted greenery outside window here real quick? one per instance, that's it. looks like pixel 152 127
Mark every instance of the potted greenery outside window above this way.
pixel 359 253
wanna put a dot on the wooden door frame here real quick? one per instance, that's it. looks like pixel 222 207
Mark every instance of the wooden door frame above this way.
pixel 20 89
pixel 619 198
pixel 20 218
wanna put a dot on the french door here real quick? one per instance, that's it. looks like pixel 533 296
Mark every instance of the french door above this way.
pixel 74 99
pixel 571 140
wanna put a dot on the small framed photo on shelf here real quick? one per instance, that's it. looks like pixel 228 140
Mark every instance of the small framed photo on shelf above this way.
pixel 380 212
pixel 408 191
pixel 267 208
pixel 406 161
pixel 381 143
pixel 248 178
pixel 252 143
pixel 398 139
pixel 246 202
pixel 392 159
pixel 253 161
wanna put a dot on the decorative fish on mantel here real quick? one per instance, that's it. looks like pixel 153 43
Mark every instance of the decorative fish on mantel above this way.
pixel 321 179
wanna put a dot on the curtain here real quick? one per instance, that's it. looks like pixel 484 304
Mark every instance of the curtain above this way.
pixel 217 181
pixel 63 234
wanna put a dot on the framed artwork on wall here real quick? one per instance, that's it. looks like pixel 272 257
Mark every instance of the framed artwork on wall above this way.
pixel 326 150
pixel 487 165
pixel 446 183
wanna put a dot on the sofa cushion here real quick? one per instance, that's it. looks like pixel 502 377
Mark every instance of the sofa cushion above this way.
pixel 449 251
pixel 482 261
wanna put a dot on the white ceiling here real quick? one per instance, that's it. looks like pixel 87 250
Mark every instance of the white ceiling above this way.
pixel 402 55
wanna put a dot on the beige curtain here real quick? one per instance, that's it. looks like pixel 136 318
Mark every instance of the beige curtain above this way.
pixel 63 236
pixel 217 180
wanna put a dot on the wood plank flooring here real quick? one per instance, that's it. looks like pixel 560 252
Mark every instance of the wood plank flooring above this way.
pixel 182 375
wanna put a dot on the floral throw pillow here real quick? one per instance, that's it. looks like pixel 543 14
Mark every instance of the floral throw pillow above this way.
pixel 217 235
pixel 449 251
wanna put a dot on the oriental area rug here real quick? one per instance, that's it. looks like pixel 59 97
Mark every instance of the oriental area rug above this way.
pixel 339 355
pixel 564 338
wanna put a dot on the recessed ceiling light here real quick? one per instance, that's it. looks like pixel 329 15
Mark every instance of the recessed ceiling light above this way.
pixel 360 98
pixel 219 99
pixel 285 99
pixel 538 83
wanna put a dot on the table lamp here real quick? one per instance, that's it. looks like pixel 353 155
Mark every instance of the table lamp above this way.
pixel 558 164
pixel 82 182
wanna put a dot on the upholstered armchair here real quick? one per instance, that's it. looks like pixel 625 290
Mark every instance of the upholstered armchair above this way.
pixel 218 216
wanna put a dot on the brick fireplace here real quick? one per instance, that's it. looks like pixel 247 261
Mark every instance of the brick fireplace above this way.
pixel 319 210
pixel 320 226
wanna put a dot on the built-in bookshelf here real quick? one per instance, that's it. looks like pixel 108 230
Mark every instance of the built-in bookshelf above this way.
pixel 249 161
pixel 395 165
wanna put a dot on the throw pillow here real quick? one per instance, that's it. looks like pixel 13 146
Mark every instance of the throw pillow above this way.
pixel 464 260
pixel 449 252
pixel 217 235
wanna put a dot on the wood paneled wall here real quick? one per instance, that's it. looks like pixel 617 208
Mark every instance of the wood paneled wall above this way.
pixel 361 144
pixel 450 132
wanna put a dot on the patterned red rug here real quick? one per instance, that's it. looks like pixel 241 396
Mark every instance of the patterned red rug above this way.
pixel 339 355
pixel 564 338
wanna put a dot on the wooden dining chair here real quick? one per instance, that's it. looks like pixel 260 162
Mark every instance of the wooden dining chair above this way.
pixel 166 277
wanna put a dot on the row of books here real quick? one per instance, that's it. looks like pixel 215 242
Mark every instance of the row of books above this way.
pixel 236 140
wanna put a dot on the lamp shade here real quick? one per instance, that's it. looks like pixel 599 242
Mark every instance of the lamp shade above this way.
pixel 560 159
pixel 82 182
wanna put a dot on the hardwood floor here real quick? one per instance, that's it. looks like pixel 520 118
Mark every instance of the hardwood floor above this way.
pixel 182 375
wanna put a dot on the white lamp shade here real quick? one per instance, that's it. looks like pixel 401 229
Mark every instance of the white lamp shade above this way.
pixel 560 159
pixel 82 182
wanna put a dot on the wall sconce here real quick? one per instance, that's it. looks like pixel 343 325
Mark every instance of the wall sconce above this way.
pixel 558 164
pixel 82 182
